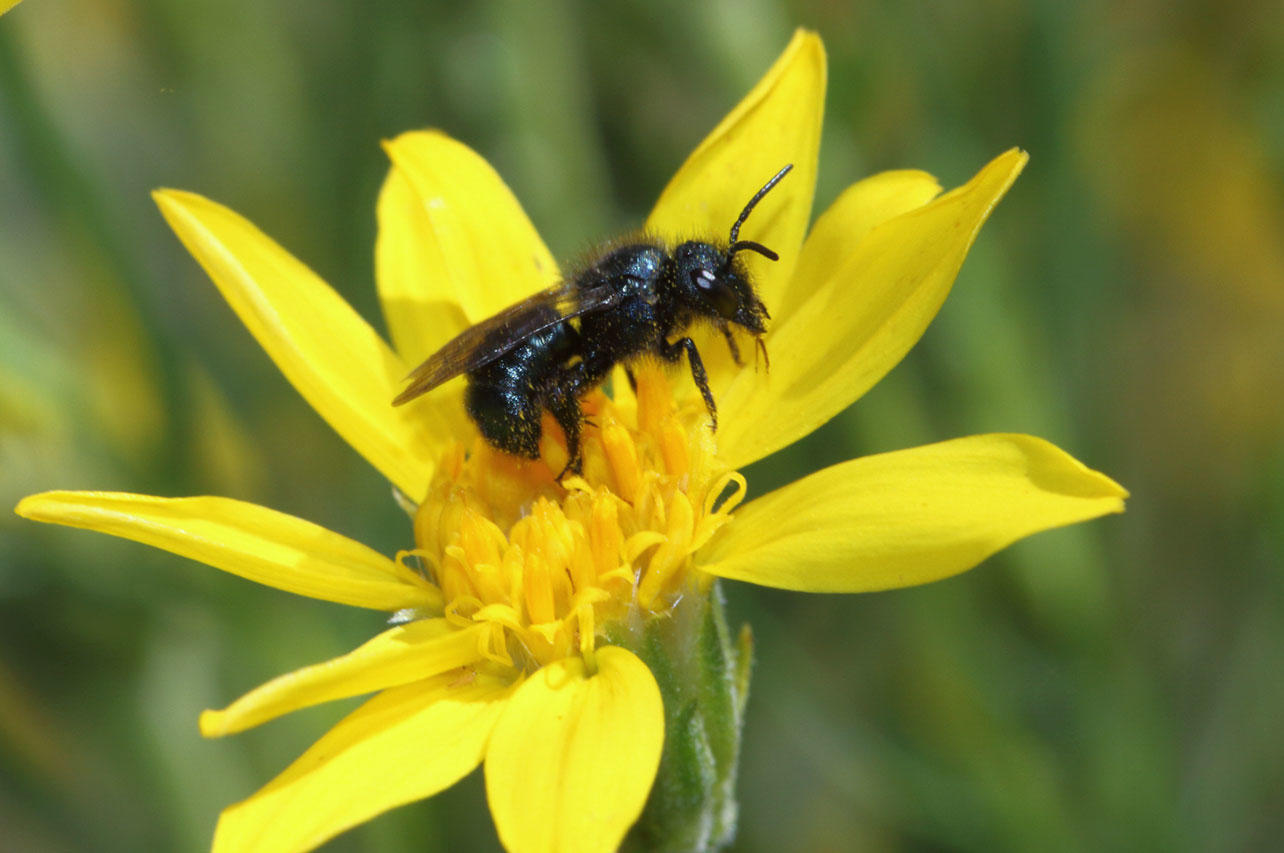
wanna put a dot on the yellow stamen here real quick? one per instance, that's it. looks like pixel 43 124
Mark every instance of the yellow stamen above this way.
pixel 622 455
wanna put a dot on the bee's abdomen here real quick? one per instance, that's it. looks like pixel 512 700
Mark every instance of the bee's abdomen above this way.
pixel 506 397
pixel 508 417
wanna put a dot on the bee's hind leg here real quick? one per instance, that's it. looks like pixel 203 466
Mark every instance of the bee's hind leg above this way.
pixel 565 408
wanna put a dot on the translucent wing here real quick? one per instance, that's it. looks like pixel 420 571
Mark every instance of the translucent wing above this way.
pixel 479 345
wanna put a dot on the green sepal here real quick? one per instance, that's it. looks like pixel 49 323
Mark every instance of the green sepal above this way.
pixel 704 679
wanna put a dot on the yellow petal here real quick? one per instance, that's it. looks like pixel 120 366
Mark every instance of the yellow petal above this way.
pixel 473 246
pixel 420 307
pixel 853 214
pixel 777 123
pixel 332 356
pixel 908 517
pixel 420 311
pixel 866 314
pixel 251 541
pixel 573 758
pixel 399 655
pixel 403 745
pixel 6 5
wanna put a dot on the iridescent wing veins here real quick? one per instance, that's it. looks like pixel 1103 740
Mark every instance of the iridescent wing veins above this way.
pixel 479 345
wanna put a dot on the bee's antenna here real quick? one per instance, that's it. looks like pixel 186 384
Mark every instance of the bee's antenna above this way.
pixel 756 247
pixel 744 214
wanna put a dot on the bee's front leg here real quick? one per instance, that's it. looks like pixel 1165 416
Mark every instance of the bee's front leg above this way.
pixel 672 352
pixel 731 345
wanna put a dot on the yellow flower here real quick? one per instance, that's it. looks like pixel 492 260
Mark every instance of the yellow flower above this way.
pixel 6 5
pixel 519 596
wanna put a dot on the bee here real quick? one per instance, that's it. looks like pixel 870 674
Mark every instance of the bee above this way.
pixel 636 300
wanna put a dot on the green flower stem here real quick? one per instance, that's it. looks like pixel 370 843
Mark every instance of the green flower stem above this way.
pixel 704 677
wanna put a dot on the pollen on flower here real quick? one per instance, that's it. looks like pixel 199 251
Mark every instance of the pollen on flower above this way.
pixel 550 566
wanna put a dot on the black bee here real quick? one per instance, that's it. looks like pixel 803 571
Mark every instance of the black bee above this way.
pixel 547 351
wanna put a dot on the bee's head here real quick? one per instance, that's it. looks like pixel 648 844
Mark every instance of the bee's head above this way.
pixel 720 289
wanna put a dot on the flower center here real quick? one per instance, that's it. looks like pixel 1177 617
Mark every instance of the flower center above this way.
pixel 547 565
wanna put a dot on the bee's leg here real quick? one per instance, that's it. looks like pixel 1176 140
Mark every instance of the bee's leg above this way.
pixel 672 352
pixel 564 404
pixel 761 347
pixel 731 345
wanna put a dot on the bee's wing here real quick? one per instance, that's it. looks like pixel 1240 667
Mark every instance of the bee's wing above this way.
pixel 479 345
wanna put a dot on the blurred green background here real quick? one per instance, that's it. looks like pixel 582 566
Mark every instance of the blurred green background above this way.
pixel 1117 685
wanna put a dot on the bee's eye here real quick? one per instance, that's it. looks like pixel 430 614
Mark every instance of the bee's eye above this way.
pixel 718 293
